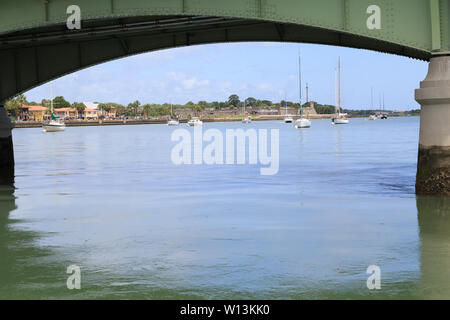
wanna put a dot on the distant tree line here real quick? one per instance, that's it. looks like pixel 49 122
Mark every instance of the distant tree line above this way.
pixel 136 109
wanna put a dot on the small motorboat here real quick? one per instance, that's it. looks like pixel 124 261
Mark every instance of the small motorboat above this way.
pixel 173 122
pixel 247 120
pixel 288 119
pixel 195 122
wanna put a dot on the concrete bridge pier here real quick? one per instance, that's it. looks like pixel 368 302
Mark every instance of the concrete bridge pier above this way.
pixel 6 149
pixel 433 170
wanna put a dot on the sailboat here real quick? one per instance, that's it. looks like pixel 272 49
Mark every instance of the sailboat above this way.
pixel 383 115
pixel 302 122
pixel 373 116
pixel 55 124
pixel 341 118
pixel 287 117
pixel 172 121
pixel 246 119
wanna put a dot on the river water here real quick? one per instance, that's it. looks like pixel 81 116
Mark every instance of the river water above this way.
pixel 111 201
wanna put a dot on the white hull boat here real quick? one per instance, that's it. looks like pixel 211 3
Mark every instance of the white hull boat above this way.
pixel 194 122
pixel 246 118
pixel 54 126
pixel 288 119
pixel 302 123
pixel 173 123
pixel 340 119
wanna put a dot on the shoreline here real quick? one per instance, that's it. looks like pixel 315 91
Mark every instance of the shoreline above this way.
pixel 97 123
pixel 92 123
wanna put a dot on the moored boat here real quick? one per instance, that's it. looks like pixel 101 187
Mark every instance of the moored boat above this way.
pixel 302 122
pixel 195 122
pixel 341 118
pixel 55 124
pixel 246 118
pixel 173 122
pixel 288 119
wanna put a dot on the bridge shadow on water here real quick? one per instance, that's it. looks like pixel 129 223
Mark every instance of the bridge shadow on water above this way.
pixel 25 266
pixel 434 224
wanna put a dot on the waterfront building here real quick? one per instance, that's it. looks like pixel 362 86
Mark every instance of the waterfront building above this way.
pixel 110 113
pixel 66 113
pixel 101 113
pixel 32 113
pixel 91 114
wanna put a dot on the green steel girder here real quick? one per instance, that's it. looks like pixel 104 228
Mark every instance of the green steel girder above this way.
pixel 36 46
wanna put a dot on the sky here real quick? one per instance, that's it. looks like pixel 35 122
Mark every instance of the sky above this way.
pixel 263 70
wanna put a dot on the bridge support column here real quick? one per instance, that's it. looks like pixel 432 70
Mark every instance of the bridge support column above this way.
pixel 433 169
pixel 6 149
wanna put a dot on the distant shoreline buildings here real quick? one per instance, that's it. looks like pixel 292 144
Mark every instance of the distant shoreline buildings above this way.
pixel 20 110
pixel 40 113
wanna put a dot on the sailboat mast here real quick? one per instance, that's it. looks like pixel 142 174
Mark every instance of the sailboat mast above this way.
pixel 335 88
pixel 339 85
pixel 300 81
pixel 371 105
pixel 51 97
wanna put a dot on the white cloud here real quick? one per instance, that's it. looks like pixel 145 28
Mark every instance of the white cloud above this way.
pixel 188 83
pixel 262 70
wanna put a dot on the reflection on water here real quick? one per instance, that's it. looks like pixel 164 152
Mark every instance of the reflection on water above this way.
pixel 109 200
pixel 27 271
pixel 434 223
pixel 338 139
pixel 7 257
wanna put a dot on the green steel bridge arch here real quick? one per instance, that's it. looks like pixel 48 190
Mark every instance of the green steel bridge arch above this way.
pixel 36 45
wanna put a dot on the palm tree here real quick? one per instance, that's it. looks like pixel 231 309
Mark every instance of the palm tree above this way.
pixel 197 109
pixel 79 106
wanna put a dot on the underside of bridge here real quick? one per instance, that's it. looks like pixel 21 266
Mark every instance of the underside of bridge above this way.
pixel 31 57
